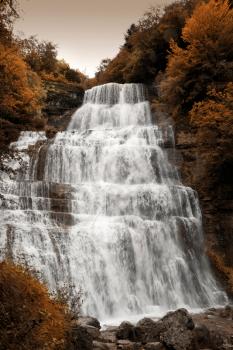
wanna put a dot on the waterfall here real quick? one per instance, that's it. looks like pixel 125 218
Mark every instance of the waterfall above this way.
pixel 102 208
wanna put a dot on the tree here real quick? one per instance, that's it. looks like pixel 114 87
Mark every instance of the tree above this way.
pixel 8 13
pixel 144 53
pixel 150 18
pixel 48 55
pixel 40 55
pixel 30 50
pixel 20 87
pixel 102 68
pixel 216 112
pixel 207 59
pixel 103 65
pixel 132 29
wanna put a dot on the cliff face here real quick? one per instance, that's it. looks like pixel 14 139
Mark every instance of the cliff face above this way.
pixel 61 101
pixel 206 165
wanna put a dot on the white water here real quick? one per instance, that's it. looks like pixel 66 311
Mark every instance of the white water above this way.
pixel 102 208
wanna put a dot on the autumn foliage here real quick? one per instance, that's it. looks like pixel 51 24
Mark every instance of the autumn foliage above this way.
pixel 145 50
pixel 29 318
pixel 197 88
pixel 25 64
pixel 216 111
pixel 21 88
pixel 206 62
pixel 41 57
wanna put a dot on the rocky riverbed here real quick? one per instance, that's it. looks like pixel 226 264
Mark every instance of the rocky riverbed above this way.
pixel 178 330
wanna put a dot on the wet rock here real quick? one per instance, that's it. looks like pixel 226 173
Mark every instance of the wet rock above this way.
pixel 93 331
pixel 203 161
pixel 146 323
pixel 220 340
pixel 103 346
pixel 80 339
pixel 61 97
pixel 89 321
pixel 4 176
pixel 213 309
pixel 202 336
pixel 217 341
pixel 154 346
pixel 210 312
pixel 128 345
pixel 220 330
pixel 90 324
pixel 227 312
pixel 109 336
pixel 177 330
pixel 210 316
pixel 127 331
pixel 148 330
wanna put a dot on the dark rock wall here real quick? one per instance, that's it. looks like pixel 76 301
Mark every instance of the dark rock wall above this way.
pixel 61 101
pixel 62 97
pixel 206 164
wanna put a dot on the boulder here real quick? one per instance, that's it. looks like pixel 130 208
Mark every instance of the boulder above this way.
pixel 227 312
pixel 93 331
pixel 79 339
pixel 217 340
pixel 202 336
pixel 89 321
pixel 154 346
pixel 109 335
pixel 128 345
pixel 176 330
pixel 148 330
pixel 103 346
pixel 90 324
pixel 127 331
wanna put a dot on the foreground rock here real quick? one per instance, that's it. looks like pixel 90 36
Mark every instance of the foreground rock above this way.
pixel 80 339
pixel 218 332
pixel 178 330
pixel 149 330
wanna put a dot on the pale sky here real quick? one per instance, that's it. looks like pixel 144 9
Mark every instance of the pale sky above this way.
pixel 85 31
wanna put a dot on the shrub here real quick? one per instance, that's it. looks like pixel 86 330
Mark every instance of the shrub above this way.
pixel 216 112
pixel 29 318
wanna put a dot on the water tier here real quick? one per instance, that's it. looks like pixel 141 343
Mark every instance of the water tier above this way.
pixel 102 208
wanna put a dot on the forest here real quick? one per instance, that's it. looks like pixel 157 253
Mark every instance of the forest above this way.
pixel 183 53
pixel 26 65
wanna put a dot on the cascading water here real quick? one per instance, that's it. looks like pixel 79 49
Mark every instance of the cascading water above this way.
pixel 102 208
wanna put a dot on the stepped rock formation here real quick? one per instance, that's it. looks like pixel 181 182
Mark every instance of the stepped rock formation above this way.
pixel 102 208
